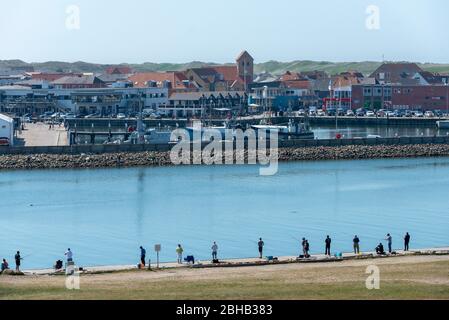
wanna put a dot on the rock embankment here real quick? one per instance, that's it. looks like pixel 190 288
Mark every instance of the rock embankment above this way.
pixel 139 159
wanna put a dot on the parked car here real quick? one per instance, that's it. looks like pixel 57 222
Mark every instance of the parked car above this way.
pixel 26 119
pixel 429 114
pixel 93 115
pixel 4 142
pixel 390 114
pixel 408 113
pixel 350 113
pixel 370 113
pixel 321 113
pixel 121 116
pixel 301 112
pixel 360 112
pixel 381 113
pixel 438 113
pixel 418 114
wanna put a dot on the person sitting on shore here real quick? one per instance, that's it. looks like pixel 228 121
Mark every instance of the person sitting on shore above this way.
pixel 5 265
pixel 58 265
pixel 380 249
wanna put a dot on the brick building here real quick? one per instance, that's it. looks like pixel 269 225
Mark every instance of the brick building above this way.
pixel 414 97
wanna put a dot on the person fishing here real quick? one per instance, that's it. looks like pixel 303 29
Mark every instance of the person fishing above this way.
pixel 380 249
pixel 143 254
pixel 5 265
pixel 260 245
pixel 214 251
pixel 303 244
pixel 18 259
pixel 69 255
pixel 307 249
pixel 389 240
pixel 328 242
pixel 179 251
pixel 356 243
pixel 406 242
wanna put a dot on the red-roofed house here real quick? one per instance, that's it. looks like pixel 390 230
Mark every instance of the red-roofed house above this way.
pixel 175 81
pixel 50 77
pixel 224 78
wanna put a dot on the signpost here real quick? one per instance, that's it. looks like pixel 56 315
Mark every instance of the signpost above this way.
pixel 157 248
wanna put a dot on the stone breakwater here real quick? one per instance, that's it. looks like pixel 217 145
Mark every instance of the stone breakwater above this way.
pixel 140 159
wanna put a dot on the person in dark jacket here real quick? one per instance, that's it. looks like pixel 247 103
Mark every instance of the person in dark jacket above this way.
pixel 143 254
pixel 303 244
pixel 307 248
pixel 260 245
pixel 356 242
pixel 380 249
pixel 18 259
pixel 328 242
pixel 406 242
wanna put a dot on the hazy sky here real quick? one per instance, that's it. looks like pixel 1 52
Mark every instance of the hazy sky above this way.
pixel 135 31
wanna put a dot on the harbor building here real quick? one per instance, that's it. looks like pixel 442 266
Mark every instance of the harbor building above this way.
pixel 7 128
pixel 412 97
pixel 22 100
pixel 197 104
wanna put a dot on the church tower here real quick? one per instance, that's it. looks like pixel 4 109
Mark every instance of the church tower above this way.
pixel 245 67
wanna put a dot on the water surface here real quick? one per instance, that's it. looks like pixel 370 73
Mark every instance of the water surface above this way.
pixel 104 215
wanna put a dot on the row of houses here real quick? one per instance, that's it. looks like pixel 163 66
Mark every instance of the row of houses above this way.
pixel 18 100
pixel 391 86
pixel 222 87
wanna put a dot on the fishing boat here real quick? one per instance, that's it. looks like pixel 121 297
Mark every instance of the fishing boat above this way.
pixel 443 124
pixel 293 130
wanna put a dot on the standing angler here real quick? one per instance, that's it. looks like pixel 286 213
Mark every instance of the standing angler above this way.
pixel 18 259
pixel 390 242
pixel 260 245
pixel 143 254
pixel 328 242
pixel 179 251
pixel 356 242
pixel 406 242
pixel 214 251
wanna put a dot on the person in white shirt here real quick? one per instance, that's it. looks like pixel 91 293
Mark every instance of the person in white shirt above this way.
pixel 214 251
pixel 69 255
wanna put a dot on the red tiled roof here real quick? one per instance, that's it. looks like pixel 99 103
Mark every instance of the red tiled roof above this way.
pixel 229 73
pixel 291 76
pixel 140 80
pixel 50 76
pixel 297 84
